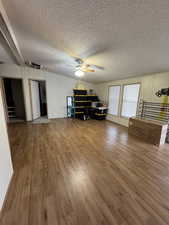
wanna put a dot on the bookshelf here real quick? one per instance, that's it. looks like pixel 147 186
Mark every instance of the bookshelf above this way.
pixel 82 102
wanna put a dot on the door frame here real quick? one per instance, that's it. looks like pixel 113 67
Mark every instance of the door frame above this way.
pixel 4 99
pixel 38 80
pixel 4 96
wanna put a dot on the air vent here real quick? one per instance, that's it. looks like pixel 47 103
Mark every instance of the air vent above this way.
pixel 33 65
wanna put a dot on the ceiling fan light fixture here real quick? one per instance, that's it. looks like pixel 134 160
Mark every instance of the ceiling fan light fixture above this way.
pixel 79 73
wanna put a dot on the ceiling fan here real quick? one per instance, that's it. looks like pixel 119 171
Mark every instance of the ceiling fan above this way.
pixel 79 64
pixel 80 68
pixel 83 67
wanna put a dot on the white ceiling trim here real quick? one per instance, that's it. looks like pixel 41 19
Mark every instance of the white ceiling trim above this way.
pixel 9 36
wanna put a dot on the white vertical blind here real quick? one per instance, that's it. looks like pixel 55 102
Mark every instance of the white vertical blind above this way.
pixel 114 96
pixel 130 100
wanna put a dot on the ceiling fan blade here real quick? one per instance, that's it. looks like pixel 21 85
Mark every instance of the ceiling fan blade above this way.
pixel 97 67
pixel 88 70
pixel 77 58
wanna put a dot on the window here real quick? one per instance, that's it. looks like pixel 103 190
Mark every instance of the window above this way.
pixel 114 96
pixel 130 100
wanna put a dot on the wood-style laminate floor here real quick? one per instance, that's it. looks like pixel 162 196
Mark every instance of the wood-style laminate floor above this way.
pixel 73 172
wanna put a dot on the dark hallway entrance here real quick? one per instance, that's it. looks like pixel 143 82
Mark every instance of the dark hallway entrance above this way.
pixel 14 97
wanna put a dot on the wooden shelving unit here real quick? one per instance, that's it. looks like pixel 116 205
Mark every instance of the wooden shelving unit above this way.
pixel 82 106
pixel 82 102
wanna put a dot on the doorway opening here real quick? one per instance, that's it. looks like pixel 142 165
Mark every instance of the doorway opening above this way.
pixel 38 100
pixel 14 100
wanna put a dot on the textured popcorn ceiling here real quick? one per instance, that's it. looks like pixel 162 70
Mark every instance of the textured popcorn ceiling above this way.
pixel 127 37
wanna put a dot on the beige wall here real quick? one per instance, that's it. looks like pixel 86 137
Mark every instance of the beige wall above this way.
pixel 149 85
pixel 58 87
pixel 6 169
